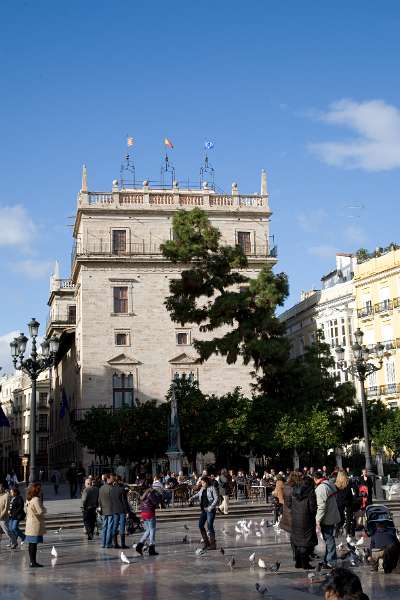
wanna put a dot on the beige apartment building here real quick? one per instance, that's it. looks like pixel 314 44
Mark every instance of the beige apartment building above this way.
pixel 118 343
pixel 377 297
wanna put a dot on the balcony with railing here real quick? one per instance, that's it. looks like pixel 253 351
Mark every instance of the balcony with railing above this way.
pixel 60 317
pixel 389 389
pixel 381 308
pixel 105 248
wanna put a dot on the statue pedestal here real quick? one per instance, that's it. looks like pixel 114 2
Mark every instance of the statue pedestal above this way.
pixel 175 460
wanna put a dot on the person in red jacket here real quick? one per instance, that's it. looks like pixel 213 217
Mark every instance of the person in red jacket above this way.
pixel 150 501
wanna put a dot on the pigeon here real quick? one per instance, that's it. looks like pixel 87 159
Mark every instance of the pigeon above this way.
pixel 249 523
pixel 262 522
pixel 258 533
pixel 200 551
pixel 275 567
pixel 349 539
pixel 261 563
pixel 360 542
pixel 339 547
pixel 186 527
pixel 54 552
pixel 237 529
pixel 268 524
pixel 252 557
pixel 222 550
pixel 261 588
pixel 185 540
pixel 311 575
pixel 58 530
pixel 231 562
pixel 124 558
pixel 53 562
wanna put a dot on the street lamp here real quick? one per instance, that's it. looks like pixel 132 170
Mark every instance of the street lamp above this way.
pixel 33 366
pixel 361 368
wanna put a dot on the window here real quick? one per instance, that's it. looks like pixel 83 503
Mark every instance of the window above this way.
pixel 390 377
pixel 43 399
pixel 119 241
pixel 183 338
pixel 372 384
pixel 42 444
pixel 121 338
pixel 72 314
pixel 42 422
pixel 120 299
pixel 343 332
pixel 244 241
pixel 122 390
pixel 334 333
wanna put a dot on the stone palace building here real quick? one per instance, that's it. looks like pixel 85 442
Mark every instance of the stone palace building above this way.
pixel 118 343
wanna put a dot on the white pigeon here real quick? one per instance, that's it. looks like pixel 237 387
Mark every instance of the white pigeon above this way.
pixel 237 529
pixel 200 551
pixel 360 542
pixel 249 523
pixel 53 562
pixel 252 557
pixel 54 552
pixel 349 539
pixel 124 558
pixel 261 563
pixel 339 547
pixel 258 533
pixel 262 522
pixel 311 575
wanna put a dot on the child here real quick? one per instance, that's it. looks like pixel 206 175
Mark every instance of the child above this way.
pixel 385 546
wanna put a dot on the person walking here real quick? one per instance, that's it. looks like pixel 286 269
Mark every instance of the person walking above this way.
pixel 72 478
pixel 16 514
pixel 107 512
pixel 302 504
pixel 208 497
pixel 149 502
pixel 294 479
pixel 121 510
pixel 35 526
pixel 278 497
pixel 4 516
pixel 344 499
pixel 328 516
pixel 55 480
pixel 89 502
pixel 224 489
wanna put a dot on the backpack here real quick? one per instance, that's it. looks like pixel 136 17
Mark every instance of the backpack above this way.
pixel 363 493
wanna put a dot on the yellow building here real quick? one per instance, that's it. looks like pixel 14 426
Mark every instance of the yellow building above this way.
pixel 377 294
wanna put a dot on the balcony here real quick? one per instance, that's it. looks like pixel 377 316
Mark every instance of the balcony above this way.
pixel 384 306
pixel 366 311
pixel 389 389
pixel 60 318
pixel 103 248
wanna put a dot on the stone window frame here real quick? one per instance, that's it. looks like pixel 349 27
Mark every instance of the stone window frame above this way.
pixel 128 239
pixel 120 282
pixel 252 233
pixel 186 331
pixel 127 332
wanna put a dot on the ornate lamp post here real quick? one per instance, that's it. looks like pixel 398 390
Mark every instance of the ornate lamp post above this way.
pixel 33 366
pixel 361 368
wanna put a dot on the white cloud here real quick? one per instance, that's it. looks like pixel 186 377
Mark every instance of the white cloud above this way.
pixel 33 269
pixel 5 356
pixel 313 220
pixel 376 143
pixel 16 227
pixel 323 251
pixel 354 234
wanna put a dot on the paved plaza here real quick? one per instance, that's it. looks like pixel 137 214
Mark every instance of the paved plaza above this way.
pixel 84 571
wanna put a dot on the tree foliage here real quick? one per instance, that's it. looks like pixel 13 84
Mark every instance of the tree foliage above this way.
pixel 215 293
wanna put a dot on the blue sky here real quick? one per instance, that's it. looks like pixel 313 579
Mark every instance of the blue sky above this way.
pixel 307 90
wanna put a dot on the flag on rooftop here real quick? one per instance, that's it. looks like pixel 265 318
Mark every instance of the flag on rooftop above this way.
pixel 208 145
pixel 130 141
pixel 168 143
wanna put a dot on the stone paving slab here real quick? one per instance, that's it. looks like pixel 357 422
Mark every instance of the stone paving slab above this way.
pixel 85 571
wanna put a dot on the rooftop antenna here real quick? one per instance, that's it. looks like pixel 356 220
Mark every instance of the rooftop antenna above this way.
pixel 206 170
pixel 166 166
pixel 127 171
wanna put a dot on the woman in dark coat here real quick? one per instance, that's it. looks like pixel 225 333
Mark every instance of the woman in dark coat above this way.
pixel 303 506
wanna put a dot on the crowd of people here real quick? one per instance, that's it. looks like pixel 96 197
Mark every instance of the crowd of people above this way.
pixel 308 503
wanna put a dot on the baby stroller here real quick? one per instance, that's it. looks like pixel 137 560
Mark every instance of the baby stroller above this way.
pixel 378 514
pixel 133 523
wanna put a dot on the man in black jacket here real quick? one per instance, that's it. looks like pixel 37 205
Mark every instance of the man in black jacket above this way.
pixel 120 508
pixel 107 511
pixel 90 499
